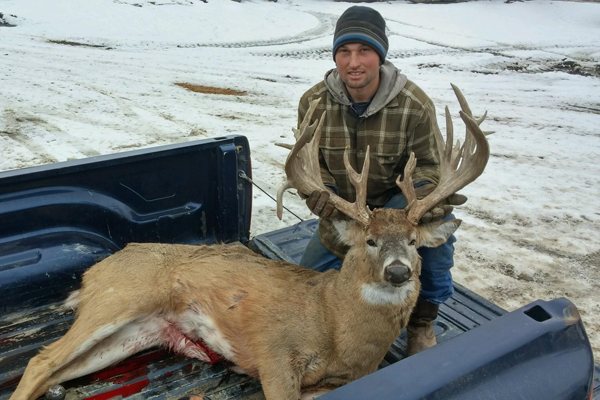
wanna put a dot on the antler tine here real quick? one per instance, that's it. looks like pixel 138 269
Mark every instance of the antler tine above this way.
pixel 449 155
pixel 302 157
pixel 482 118
pixel 405 182
pixel 464 106
pixel 359 181
pixel 304 172
pixel 470 143
pixel 449 137
pixel 459 165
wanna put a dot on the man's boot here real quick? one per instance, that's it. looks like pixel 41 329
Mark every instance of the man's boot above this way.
pixel 420 327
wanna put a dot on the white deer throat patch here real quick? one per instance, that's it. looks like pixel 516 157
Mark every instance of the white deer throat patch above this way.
pixel 385 293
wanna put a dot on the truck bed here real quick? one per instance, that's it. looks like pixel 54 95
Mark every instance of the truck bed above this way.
pixel 58 220
pixel 157 374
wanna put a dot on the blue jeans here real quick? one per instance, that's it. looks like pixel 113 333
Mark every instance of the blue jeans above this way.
pixel 436 279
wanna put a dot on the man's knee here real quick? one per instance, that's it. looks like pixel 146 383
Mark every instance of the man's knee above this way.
pixel 317 257
pixel 439 258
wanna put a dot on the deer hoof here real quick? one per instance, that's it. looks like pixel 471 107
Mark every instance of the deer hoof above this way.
pixel 56 392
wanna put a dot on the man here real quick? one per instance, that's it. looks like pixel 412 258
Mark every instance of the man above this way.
pixel 370 103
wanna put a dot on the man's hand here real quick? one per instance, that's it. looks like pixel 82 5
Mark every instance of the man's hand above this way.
pixel 442 209
pixel 318 203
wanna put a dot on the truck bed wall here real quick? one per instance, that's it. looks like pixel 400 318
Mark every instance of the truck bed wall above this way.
pixel 59 219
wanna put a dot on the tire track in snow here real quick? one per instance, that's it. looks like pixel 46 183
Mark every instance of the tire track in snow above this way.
pixel 496 48
pixel 15 131
pixel 325 27
pixel 24 128
pixel 325 54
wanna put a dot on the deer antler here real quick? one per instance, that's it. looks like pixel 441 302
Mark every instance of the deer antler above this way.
pixel 304 172
pixel 459 165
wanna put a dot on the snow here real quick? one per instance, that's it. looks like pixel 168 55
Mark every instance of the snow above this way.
pixel 531 225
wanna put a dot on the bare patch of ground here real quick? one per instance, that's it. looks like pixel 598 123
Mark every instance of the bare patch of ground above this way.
pixel 532 67
pixel 5 21
pixel 78 44
pixel 210 89
pixel 574 68
pixel 578 108
pixel 541 66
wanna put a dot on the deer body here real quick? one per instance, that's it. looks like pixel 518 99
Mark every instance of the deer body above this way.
pixel 289 326
pixel 295 329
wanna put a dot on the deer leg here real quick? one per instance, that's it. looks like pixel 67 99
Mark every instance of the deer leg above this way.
pixel 313 394
pixel 87 331
pixel 130 339
pixel 279 381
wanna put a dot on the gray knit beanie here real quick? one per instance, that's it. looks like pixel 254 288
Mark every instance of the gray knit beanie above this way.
pixel 364 25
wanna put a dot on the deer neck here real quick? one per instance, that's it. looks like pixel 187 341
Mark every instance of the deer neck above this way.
pixel 361 324
pixel 355 291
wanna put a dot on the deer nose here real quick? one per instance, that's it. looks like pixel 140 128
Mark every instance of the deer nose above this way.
pixel 397 273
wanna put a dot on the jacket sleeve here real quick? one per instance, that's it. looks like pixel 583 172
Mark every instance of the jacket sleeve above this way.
pixel 422 142
pixel 325 175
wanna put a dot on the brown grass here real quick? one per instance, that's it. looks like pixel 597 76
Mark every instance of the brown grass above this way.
pixel 210 89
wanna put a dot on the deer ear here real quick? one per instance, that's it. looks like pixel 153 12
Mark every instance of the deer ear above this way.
pixel 435 234
pixel 348 230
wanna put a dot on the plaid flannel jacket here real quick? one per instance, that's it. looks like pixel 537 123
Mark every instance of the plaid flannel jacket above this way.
pixel 396 123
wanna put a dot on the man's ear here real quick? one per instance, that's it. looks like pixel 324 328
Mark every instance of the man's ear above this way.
pixel 435 234
pixel 348 230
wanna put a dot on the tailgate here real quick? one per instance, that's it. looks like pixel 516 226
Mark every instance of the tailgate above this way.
pixel 59 219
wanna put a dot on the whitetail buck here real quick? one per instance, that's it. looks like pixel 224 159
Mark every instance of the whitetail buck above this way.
pixel 299 331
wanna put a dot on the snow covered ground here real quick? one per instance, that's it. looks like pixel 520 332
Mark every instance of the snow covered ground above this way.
pixel 79 79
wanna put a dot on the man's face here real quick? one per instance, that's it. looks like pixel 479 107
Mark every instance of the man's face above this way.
pixel 358 65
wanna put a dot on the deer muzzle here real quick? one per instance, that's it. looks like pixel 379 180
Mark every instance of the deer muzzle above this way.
pixel 397 273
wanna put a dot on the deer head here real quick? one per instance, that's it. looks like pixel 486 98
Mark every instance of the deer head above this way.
pixel 384 242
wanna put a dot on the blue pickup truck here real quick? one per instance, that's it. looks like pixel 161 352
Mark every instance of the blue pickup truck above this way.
pixel 57 220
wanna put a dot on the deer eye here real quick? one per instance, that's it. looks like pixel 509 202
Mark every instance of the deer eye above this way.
pixel 412 242
pixel 371 242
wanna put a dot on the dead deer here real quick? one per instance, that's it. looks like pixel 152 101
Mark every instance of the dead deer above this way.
pixel 299 331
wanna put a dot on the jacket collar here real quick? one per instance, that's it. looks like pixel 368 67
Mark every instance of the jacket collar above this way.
pixel 391 84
